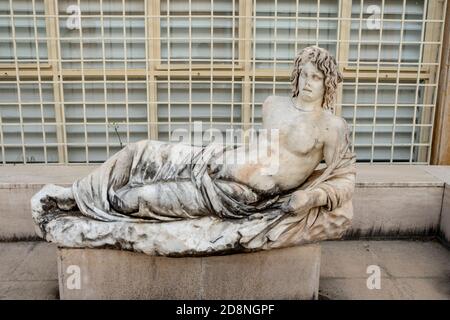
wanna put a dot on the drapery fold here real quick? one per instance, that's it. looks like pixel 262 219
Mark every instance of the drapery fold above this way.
pixel 194 213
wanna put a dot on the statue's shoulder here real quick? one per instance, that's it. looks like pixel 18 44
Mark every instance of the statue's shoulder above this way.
pixel 272 102
pixel 336 125
pixel 276 100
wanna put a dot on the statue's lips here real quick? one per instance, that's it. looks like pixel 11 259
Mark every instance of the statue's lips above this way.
pixel 307 90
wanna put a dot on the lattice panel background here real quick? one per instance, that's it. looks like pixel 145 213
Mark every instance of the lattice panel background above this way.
pixel 140 69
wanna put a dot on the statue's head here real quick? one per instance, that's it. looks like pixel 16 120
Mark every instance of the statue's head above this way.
pixel 315 76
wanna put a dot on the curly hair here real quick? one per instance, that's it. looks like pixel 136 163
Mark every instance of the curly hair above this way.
pixel 324 62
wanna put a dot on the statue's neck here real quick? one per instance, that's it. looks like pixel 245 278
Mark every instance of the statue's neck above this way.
pixel 308 106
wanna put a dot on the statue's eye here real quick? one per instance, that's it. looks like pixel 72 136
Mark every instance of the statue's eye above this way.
pixel 303 74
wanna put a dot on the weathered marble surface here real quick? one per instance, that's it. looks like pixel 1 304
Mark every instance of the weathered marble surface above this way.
pixel 175 199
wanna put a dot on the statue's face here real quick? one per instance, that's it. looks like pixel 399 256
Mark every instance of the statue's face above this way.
pixel 311 86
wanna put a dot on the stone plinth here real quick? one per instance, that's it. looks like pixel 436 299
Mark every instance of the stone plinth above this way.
pixel 289 273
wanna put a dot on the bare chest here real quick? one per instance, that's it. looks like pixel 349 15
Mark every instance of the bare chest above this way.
pixel 299 133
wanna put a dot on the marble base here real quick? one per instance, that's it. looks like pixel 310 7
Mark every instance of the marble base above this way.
pixel 288 273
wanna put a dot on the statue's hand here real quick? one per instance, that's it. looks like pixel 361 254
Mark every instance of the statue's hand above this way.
pixel 298 201
pixel 302 200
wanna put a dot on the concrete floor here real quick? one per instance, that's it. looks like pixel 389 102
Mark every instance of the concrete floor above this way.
pixel 409 270
pixel 28 270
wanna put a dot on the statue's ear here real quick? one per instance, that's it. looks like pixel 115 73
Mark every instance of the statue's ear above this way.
pixel 338 72
pixel 340 78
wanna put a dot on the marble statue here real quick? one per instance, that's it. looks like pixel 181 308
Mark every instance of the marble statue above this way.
pixel 176 199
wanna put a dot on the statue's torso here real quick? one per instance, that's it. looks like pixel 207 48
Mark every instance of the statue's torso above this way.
pixel 302 136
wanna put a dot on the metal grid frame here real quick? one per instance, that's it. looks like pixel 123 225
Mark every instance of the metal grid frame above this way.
pixel 242 72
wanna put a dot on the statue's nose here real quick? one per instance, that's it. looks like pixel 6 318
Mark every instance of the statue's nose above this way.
pixel 307 81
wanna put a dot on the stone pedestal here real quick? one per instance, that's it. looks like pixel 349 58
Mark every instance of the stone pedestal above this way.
pixel 289 273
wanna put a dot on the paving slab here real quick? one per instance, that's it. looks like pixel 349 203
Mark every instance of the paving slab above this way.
pixel 29 290
pixel 409 270
pixel 28 270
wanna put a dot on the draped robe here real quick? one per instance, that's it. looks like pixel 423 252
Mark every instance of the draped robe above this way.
pixel 195 213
